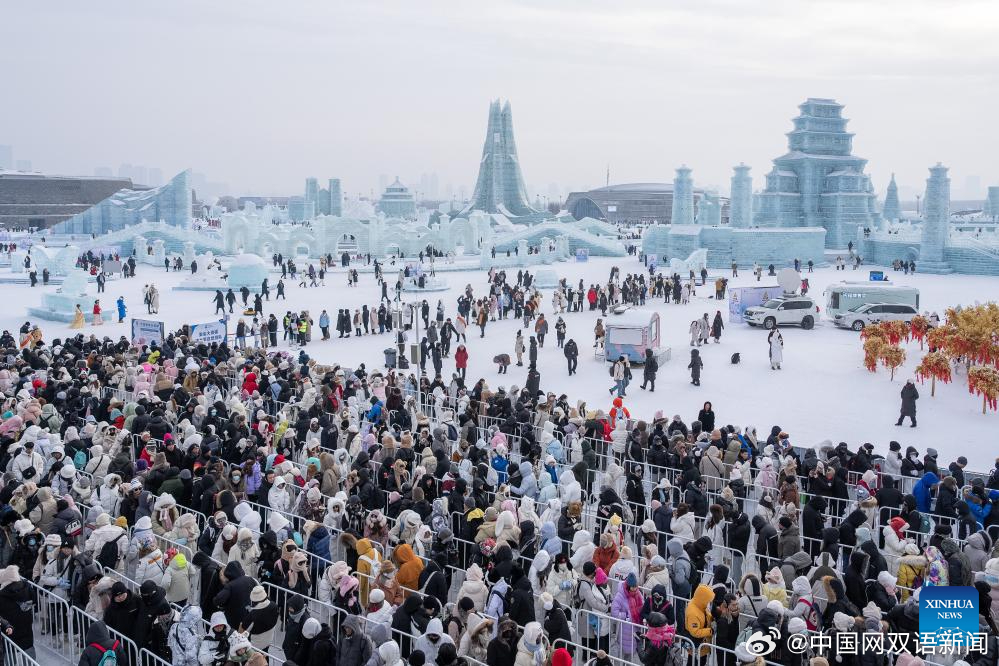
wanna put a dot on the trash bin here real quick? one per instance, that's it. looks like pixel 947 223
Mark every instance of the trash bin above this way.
pixel 390 356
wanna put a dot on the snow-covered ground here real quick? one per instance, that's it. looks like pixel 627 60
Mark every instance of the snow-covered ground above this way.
pixel 823 391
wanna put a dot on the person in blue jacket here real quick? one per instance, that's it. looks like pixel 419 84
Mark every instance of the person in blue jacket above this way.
pixel 500 463
pixel 121 309
pixel 374 414
pixel 923 491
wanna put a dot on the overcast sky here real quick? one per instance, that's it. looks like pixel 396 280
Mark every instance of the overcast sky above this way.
pixel 261 94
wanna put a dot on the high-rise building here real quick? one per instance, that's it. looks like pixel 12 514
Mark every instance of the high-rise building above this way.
pixel 103 172
pixel 155 177
pixel 819 183
pixel 6 157
pixel 741 214
pixel 336 197
pixel 500 186
pixel 22 165
pixel 990 206
pixel 683 197
pixel 891 211
pixel 312 190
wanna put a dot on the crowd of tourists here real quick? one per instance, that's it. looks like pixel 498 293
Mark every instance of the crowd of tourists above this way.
pixel 211 506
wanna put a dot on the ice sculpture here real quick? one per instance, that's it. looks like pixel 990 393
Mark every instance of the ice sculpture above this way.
pixel 741 206
pixel 60 304
pixel 891 211
pixel 500 185
pixel 819 183
pixel 170 203
pixel 683 197
pixel 247 270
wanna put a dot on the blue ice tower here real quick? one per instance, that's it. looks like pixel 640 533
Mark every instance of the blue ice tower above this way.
pixel 741 206
pixel 683 197
pixel 818 182
pixel 936 220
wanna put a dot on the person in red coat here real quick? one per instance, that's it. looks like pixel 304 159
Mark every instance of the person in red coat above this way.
pixel 250 383
pixel 461 361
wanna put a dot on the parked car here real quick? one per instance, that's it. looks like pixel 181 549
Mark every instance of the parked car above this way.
pixel 872 313
pixel 793 310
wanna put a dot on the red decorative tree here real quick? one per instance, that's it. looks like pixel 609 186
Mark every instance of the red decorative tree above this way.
pixel 893 357
pixel 918 328
pixel 984 381
pixel 935 365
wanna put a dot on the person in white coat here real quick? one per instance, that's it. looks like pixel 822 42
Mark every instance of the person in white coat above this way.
pixel 27 458
pixel 104 532
pixel 98 464
pixel 776 341
pixel 150 566
pixel 108 494
pixel 278 497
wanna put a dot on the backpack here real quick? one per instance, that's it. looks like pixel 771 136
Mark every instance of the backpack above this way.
pixel 109 555
pixel 374 565
pixel 736 358
pixel 108 655
pixel 80 459
pixel 813 621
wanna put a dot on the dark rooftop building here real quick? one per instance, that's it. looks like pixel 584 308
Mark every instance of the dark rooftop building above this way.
pixel 629 203
pixel 39 200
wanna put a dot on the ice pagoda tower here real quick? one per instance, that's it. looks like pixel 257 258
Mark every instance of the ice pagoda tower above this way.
pixel 741 212
pixel 890 212
pixel 500 186
pixel 683 197
pixel 936 220
pixel 819 183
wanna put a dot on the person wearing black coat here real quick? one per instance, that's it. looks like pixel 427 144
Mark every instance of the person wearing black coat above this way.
pixel 320 650
pixel 124 613
pixel 855 578
pixel 946 505
pixel 695 498
pixel 405 619
pixel 766 542
pixel 522 602
pixel 295 616
pixel 909 397
pixel 234 597
pixel 556 620
pixel 99 641
pixel 737 533
pixel 502 650
pixel 707 418
pixel 876 562
pixel 16 608
pixel 812 523
pixel 151 597
pixel 433 582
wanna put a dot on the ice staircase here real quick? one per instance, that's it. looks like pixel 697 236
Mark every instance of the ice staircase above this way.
pixel 173 238
pixel 971 255
pixel 598 246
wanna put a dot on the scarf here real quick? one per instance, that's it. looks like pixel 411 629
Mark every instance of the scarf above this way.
pixel 166 519
pixel 635 603
pixel 660 636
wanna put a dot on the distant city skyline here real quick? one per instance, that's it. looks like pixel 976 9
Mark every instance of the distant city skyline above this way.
pixel 591 86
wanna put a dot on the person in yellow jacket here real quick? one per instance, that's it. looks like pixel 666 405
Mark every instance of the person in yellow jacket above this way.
pixel 368 567
pixel 698 620
pixel 911 570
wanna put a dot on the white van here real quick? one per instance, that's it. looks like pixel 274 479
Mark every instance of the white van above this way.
pixel 844 296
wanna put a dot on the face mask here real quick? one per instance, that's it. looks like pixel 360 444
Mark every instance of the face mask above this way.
pixel 50 549
pixel 914 457
pixel 236 477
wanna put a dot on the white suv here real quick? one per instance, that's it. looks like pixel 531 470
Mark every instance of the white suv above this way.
pixel 872 313
pixel 797 310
